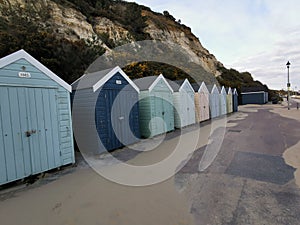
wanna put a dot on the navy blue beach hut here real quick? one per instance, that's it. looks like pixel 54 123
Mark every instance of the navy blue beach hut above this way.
pixel 35 118
pixel 105 111
pixel 235 101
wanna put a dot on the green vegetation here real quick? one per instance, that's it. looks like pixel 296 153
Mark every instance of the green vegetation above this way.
pixel 29 28
pixel 144 69
pixel 66 58
pixel 235 79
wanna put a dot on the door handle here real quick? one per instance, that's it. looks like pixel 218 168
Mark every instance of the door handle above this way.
pixel 28 133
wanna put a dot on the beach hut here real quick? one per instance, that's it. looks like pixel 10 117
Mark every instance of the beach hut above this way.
pixel 235 100
pixel 156 106
pixel 229 101
pixel 105 110
pixel 184 105
pixel 196 101
pixel 35 118
pixel 254 95
pixel 223 101
pixel 203 102
pixel 266 97
pixel 214 102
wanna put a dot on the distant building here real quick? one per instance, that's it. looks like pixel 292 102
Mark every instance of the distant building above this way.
pixel 254 95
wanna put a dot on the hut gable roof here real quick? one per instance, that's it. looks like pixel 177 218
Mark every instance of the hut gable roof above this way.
pixel 22 54
pixel 97 79
pixel 235 92
pixel 195 86
pixel 253 89
pixel 229 91
pixel 215 89
pixel 178 85
pixel 203 88
pixel 148 83
pixel 223 90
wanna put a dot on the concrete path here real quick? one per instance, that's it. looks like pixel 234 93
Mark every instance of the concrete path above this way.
pixel 248 182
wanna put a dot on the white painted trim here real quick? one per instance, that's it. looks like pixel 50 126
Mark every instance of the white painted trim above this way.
pixel 215 89
pixel 22 54
pixel 110 75
pixel 78 79
pixel 254 92
pixel 186 81
pixel 203 87
pixel 235 92
pixel 157 80
pixel 223 90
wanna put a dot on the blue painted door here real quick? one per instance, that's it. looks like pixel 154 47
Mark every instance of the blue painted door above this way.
pixel 116 117
pixel 29 141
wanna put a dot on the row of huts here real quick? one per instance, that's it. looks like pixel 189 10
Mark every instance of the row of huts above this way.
pixel 109 111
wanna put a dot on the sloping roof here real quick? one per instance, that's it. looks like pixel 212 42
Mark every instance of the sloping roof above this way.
pixel 195 86
pixel 144 83
pixel 253 89
pixel 97 79
pixel 215 89
pixel 148 83
pixel 223 90
pixel 235 92
pixel 203 87
pixel 210 87
pixel 22 54
pixel 229 91
pixel 176 85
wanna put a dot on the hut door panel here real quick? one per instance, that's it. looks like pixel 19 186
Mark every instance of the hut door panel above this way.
pixel 184 114
pixel 167 114
pixel 158 115
pixel 29 141
pixel 43 129
pixel 206 107
pixel 15 160
pixel 113 118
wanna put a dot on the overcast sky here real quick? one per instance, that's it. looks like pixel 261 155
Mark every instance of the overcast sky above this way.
pixel 258 36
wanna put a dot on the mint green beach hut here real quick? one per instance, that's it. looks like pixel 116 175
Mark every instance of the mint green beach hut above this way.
pixel 156 112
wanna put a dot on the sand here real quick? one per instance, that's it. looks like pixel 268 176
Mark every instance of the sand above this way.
pixel 84 197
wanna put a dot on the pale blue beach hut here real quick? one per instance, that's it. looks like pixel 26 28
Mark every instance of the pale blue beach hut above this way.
pixel 223 101
pixel 35 118
pixel 184 105
pixel 214 101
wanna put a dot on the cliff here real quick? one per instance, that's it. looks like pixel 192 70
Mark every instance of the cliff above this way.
pixel 102 25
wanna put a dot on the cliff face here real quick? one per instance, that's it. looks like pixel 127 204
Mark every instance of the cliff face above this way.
pixel 106 25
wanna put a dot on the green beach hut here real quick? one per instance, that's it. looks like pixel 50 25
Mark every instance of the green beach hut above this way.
pixel 156 112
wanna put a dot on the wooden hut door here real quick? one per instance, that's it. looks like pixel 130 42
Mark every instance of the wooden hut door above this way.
pixel 206 106
pixel 159 114
pixel 29 141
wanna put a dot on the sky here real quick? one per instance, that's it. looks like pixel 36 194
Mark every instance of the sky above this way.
pixel 258 36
